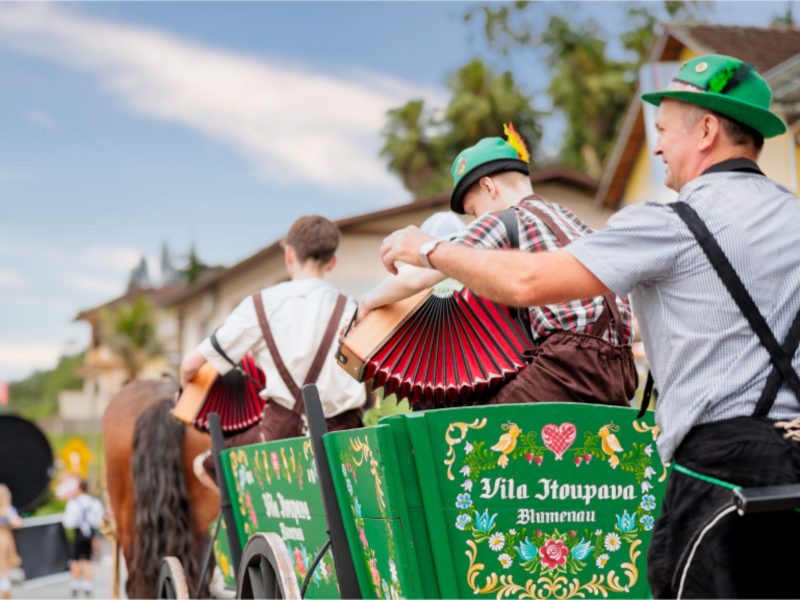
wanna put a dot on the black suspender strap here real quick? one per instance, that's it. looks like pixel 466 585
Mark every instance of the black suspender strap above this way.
pixel 781 356
pixel 649 391
pixel 509 219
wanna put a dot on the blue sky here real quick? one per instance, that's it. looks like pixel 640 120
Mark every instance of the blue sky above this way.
pixel 123 125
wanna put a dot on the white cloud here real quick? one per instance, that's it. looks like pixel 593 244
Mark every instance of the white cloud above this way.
pixel 97 285
pixel 38 354
pixel 39 118
pixel 294 123
pixel 10 278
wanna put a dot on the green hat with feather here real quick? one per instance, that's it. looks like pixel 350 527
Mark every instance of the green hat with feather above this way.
pixel 727 86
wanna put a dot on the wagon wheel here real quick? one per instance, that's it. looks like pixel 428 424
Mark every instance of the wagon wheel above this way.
pixel 172 580
pixel 266 570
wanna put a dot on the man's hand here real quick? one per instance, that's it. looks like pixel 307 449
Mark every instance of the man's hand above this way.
pixel 190 366
pixel 403 245
pixel 363 310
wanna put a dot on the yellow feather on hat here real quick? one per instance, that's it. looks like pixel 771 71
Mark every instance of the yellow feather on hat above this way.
pixel 515 140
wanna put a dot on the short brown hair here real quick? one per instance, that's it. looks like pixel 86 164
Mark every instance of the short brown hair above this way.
pixel 741 134
pixel 313 238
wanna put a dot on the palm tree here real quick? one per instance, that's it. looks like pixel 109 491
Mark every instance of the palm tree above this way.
pixel 130 332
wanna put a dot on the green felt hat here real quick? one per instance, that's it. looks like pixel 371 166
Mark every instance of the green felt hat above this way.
pixel 489 156
pixel 729 87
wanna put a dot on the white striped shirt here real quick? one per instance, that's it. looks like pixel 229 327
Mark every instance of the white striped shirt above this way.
pixel 707 363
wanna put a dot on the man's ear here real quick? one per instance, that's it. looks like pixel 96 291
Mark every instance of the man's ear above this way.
pixel 710 129
pixel 289 257
pixel 487 185
pixel 330 264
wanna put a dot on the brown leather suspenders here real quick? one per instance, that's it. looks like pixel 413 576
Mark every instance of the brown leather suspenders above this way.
pixel 319 357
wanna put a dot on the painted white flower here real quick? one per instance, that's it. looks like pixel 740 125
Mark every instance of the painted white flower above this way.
pixel 467 485
pixel 465 470
pixel 468 447
pixel 497 541
pixel 505 560
pixel 648 449
pixel 649 472
pixel 646 486
pixel 598 532
pixel 602 560
pixel 393 570
pixel 512 532
pixel 612 542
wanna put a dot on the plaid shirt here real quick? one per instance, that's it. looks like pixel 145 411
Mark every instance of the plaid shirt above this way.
pixel 577 316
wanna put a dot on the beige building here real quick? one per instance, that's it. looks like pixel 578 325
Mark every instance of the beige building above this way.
pixel 202 307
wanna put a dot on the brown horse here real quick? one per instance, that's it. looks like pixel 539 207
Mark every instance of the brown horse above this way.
pixel 159 506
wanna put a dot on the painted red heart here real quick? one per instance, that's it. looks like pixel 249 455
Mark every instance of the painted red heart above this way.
pixel 558 438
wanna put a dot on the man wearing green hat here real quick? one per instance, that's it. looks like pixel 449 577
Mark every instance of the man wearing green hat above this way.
pixel 583 347
pixel 715 282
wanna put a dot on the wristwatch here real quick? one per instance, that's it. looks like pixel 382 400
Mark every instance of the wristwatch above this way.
pixel 424 250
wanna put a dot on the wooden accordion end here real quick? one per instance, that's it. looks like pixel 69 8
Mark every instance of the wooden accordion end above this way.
pixel 233 396
pixel 437 351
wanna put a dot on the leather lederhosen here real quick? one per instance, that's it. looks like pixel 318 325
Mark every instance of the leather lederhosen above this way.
pixel 575 367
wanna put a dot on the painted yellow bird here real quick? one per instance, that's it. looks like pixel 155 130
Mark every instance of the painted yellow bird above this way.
pixel 507 443
pixel 610 444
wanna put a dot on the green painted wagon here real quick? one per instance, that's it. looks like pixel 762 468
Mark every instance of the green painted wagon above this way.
pixel 547 500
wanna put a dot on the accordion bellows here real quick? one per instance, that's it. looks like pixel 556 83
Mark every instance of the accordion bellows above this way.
pixel 437 351
pixel 234 397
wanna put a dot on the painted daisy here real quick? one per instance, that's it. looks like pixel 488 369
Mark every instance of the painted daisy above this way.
pixel 505 560
pixel 497 541
pixel 612 542
pixel 602 560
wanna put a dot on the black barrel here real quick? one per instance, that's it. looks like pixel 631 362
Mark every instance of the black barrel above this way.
pixel 26 462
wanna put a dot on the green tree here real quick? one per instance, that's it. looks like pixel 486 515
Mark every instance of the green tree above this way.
pixel 36 396
pixel 589 87
pixel 130 332
pixel 421 145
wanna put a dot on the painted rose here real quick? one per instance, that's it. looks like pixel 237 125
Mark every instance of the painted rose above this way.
pixel 553 554
pixel 373 569
pixel 626 522
pixel 298 559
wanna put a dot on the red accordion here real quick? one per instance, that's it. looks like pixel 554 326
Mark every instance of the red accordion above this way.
pixel 437 351
pixel 233 396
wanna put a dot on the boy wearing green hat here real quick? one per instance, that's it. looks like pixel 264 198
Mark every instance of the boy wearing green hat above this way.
pixel 715 281
pixel 583 347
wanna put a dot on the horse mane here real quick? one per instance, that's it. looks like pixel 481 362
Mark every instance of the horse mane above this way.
pixel 163 520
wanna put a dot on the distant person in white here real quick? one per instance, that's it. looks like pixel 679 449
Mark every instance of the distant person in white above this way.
pixel 83 515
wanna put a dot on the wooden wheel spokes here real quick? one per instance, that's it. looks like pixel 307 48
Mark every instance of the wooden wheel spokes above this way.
pixel 266 570
pixel 172 580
